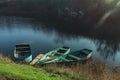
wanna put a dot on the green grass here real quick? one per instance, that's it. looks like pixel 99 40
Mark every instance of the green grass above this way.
pixel 11 70
pixel 91 70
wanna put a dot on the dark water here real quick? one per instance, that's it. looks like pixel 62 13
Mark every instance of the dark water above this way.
pixel 42 38
pixel 48 24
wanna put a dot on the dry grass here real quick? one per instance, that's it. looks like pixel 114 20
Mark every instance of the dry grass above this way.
pixel 92 70
pixel 117 73
pixel 7 59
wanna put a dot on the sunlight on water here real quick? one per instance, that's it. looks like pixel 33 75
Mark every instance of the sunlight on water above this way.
pixel 103 19
pixel 108 1
pixel 118 4
pixel 108 14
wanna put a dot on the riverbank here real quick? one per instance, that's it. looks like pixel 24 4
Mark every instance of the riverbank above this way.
pixel 91 70
pixel 16 71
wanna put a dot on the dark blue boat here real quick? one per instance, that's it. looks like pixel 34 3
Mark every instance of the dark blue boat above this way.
pixel 22 52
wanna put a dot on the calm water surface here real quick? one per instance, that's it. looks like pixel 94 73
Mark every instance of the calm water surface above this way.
pixel 16 30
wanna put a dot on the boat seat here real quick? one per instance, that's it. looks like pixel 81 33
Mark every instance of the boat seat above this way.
pixel 77 58
pixel 19 52
pixel 65 59
pixel 59 53
pixel 53 57
pixel 22 49
pixel 36 59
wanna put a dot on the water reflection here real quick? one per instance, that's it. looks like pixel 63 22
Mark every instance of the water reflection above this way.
pixel 108 50
pixel 43 39
pixel 69 16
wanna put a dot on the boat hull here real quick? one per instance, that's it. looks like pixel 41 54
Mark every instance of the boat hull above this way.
pixel 77 56
pixel 54 55
pixel 22 53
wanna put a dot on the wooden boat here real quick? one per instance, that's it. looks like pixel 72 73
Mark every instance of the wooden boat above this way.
pixel 54 55
pixel 22 52
pixel 80 55
pixel 37 58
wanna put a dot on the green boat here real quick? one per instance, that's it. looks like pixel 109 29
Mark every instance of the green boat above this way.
pixel 54 55
pixel 80 55
pixel 22 52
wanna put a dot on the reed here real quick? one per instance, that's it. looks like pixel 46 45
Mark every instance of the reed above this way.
pixel 5 59
pixel 92 70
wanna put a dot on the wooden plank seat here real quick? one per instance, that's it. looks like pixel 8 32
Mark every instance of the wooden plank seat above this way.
pixel 66 60
pixel 74 57
pixel 37 58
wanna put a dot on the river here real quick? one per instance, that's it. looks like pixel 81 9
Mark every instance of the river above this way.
pixel 78 24
pixel 42 38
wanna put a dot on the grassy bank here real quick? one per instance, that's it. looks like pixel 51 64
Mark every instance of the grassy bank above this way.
pixel 10 70
pixel 91 70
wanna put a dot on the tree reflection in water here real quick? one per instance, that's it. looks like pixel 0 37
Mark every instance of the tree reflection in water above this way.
pixel 67 17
